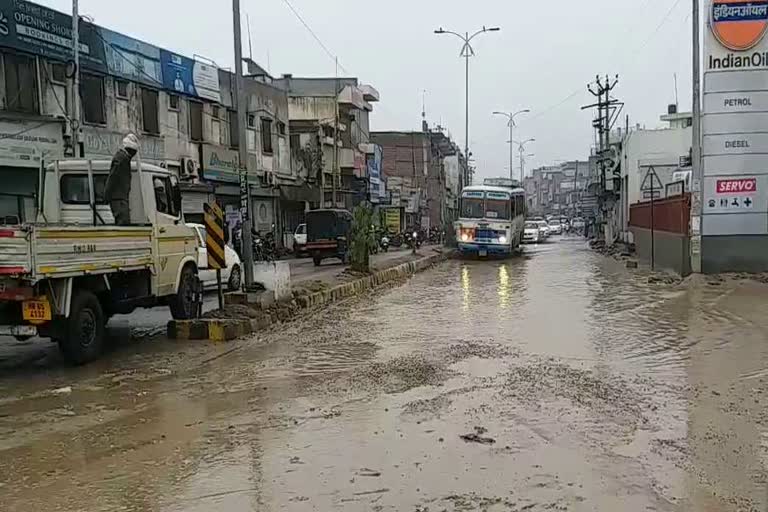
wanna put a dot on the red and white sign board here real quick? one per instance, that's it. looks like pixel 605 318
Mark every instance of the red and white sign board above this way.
pixel 737 186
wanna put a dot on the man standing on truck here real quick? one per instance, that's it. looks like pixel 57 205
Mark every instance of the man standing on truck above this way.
pixel 118 188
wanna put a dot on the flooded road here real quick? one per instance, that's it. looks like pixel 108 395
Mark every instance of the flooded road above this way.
pixel 554 381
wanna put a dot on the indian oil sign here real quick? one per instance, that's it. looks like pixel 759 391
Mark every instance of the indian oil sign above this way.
pixel 739 25
pixel 734 116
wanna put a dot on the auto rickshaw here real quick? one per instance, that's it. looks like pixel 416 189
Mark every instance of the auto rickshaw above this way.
pixel 329 232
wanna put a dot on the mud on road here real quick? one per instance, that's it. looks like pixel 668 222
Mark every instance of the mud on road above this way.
pixel 554 381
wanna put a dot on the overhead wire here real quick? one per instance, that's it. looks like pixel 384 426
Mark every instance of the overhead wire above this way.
pixel 631 54
pixel 314 35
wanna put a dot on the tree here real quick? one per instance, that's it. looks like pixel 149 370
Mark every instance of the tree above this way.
pixel 362 238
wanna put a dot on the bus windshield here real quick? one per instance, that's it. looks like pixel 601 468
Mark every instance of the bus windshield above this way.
pixel 472 208
pixel 486 205
pixel 497 209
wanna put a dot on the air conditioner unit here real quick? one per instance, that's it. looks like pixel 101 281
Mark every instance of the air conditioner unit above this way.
pixel 190 169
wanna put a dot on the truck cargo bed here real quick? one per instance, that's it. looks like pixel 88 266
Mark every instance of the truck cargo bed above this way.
pixel 37 251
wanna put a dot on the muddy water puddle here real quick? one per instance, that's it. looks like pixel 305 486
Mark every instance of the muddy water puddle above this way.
pixel 554 381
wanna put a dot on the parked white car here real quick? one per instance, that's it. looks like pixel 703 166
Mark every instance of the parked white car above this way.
pixel 231 277
pixel 555 227
pixel 531 234
pixel 543 229
pixel 300 239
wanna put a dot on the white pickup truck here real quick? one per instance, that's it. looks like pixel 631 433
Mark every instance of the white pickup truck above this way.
pixel 64 275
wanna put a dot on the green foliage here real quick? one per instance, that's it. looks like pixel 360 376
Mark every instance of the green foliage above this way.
pixel 363 238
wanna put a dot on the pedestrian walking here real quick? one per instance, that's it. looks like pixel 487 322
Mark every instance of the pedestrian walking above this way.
pixel 118 188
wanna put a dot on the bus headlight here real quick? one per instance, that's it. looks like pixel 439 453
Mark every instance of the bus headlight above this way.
pixel 502 239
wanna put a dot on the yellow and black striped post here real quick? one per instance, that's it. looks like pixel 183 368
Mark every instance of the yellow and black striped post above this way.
pixel 214 241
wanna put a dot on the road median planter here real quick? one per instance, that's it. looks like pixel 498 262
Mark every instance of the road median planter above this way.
pixel 249 318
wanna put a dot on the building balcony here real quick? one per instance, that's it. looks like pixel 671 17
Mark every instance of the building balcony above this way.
pixel 353 97
pixel 346 158
pixel 369 92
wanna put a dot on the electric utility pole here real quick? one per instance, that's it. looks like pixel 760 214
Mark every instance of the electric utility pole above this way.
pixel 75 117
pixel 607 113
pixel 697 171
pixel 242 107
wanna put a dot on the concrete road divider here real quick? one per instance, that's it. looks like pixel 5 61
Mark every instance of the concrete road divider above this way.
pixel 218 329
pixel 212 329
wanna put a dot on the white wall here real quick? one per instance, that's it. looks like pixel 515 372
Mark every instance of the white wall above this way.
pixel 452 173
pixel 661 147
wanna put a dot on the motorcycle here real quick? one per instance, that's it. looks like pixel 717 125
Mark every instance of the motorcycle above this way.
pixel 264 247
pixel 384 243
pixel 413 240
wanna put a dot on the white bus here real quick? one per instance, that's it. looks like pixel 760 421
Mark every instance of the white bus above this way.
pixel 491 220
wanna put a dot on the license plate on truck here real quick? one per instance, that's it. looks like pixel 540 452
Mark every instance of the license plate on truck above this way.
pixel 36 311
pixel 482 252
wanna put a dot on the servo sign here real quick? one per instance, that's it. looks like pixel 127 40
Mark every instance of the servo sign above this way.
pixel 737 186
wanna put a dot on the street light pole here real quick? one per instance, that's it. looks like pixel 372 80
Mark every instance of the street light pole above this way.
pixel 521 145
pixel 466 51
pixel 466 108
pixel 511 123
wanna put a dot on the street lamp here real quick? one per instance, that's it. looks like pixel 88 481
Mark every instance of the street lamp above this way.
pixel 521 146
pixel 511 123
pixel 467 51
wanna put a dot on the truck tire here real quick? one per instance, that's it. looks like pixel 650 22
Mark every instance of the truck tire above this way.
pixel 184 304
pixel 317 260
pixel 84 334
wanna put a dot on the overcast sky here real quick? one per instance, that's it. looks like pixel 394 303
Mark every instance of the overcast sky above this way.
pixel 542 58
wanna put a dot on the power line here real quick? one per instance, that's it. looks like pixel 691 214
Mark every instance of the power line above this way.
pixel 314 35
pixel 656 30
pixel 632 54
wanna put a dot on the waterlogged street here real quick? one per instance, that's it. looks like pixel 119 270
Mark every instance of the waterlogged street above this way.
pixel 554 381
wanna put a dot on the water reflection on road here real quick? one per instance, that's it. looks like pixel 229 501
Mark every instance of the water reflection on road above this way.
pixel 581 386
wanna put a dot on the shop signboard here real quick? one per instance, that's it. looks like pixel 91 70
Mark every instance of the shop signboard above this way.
pixel 220 164
pixel 190 77
pixel 132 59
pixel 392 219
pixel 35 29
pixel 373 162
pixel 27 143
pixel 98 142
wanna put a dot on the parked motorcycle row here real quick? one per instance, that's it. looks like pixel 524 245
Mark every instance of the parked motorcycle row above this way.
pixel 409 237
pixel 265 247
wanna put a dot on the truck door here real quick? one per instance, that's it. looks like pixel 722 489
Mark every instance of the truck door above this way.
pixel 175 239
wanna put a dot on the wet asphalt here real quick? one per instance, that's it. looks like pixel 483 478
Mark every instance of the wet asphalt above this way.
pixel 558 380
pixel 151 322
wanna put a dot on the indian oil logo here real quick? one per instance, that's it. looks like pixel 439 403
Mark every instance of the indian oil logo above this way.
pixel 737 24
